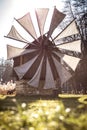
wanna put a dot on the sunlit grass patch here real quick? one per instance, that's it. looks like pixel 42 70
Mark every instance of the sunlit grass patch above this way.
pixel 83 99
pixel 71 95
pixel 2 97
pixel 34 113
pixel 43 115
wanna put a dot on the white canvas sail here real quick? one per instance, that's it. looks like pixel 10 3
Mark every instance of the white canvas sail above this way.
pixel 71 46
pixel 63 73
pixel 71 61
pixel 36 78
pixel 27 24
pixel 69 30
pixel 56 19
pixel 22 69
pixel 13 34
pixel 41 15
pixel 49 79
pixel 15 51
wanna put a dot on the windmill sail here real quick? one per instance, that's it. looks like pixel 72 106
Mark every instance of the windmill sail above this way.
pixel 71 61
pixel 13 52
pixel 56 19
pixel 71 29
pixel 49 80
pixel 22 69
pixel 71 49
pixel 36 78
pixel 72 46
pixel 13 34
pixel 63 73
pixel 26 23
pixel 41 15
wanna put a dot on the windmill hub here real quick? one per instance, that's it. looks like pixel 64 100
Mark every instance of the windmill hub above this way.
pixel 45 43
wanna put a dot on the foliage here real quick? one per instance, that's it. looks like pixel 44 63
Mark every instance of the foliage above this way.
pixel 3 65
pixel 44 115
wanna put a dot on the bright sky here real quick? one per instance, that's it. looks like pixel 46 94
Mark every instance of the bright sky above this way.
pixel 17 8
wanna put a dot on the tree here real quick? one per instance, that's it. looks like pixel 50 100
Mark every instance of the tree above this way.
pixel 77 9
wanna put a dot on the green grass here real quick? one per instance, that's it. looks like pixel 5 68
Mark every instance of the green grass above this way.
pixel 65 112
pixel 69 100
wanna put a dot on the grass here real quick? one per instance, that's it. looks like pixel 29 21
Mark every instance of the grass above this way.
pixel 64 112
pixel 69 100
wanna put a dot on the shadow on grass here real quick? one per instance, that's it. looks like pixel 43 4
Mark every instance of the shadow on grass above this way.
pixel 70 101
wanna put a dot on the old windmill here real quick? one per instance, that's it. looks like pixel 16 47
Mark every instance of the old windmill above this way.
pixel 45 58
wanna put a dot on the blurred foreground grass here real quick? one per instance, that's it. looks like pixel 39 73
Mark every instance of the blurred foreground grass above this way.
pixel 65 112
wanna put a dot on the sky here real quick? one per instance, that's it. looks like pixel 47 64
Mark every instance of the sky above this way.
pixel 10 9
